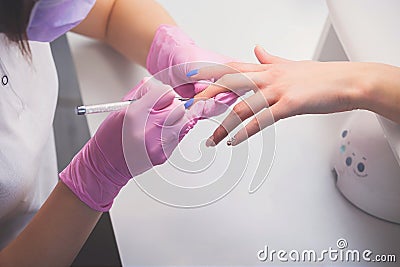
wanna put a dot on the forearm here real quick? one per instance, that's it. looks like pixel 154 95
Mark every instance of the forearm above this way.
pixel 127 25
pixel 56 233
pixel 381 90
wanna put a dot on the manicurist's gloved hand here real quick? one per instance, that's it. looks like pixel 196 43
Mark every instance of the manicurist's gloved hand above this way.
pixel 172 49
pixel 128 143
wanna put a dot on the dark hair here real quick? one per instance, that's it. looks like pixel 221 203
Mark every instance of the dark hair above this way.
pixel 14 19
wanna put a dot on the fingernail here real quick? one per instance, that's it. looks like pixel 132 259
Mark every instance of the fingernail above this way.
pixel 189 103
pixel 210 142
pixel 231 142
pixel 192 73
pixel 261 48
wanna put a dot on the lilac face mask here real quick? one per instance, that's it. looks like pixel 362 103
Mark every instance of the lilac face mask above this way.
pixel 52 18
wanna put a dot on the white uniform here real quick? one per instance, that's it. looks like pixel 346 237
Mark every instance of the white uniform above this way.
pixel 28 171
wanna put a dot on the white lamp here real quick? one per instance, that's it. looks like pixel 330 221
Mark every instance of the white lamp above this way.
pixel 368 152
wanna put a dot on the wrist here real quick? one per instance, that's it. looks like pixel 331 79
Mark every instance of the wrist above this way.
pixel 365 81
pixel 370 84
pixel 92 179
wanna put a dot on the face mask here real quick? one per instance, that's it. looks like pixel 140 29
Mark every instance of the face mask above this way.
pixel 52 18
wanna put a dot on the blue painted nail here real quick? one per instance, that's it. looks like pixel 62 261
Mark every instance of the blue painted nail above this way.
pixel 189 103
pixel 192 73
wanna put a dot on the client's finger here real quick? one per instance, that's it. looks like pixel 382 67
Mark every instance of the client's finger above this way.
pixel 266 58
pixel 215 72
pixel 241 111
pixel 230 82
pixel 260 121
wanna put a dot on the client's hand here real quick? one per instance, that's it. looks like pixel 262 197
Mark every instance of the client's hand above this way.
pixel 128 143
pixel 283 89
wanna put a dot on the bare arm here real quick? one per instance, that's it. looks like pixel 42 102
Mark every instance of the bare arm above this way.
pixel 127 25
pixel 56 233
pixel 383 94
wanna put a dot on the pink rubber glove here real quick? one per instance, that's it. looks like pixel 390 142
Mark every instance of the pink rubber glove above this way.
pixel 128 143
pixel 172 47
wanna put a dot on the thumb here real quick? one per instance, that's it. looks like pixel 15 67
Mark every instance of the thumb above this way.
pixel 139 90
pixel 266 58
pixel 155 96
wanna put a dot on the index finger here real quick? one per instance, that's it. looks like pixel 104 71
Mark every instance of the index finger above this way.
pixel 237 83
pixel 215 72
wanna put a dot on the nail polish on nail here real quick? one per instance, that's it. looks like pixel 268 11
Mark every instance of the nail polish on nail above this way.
pixel 210 142
pixel 192 73
pixel 231 141
pixel 189 103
